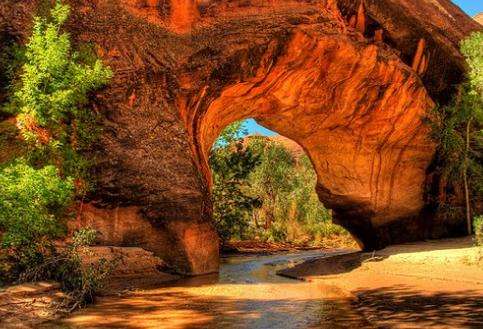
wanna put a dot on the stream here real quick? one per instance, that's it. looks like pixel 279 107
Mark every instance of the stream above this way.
pixel 246 293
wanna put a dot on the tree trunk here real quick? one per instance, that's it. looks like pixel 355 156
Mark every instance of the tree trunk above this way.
pixel 465 178
pixel 255 218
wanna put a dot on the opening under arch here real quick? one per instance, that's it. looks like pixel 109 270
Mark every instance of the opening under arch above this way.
pixel 263 191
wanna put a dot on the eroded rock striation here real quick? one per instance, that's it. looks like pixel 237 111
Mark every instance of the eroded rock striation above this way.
pixel 350 81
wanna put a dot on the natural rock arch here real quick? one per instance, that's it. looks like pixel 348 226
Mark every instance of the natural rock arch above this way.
pixel 359 119
pixel 338 82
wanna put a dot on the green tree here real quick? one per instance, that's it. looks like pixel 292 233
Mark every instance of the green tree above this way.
pixel 231 163
pixel 52 92
pixel 231 135
pixel 291 209
pixel 472 49
pixel 261 191
pixel 272 180
pixel 459 132
pixel 315 219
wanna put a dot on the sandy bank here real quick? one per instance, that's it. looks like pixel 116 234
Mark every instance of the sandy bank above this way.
pixel 429 284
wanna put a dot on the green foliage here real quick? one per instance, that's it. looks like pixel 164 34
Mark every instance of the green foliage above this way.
pixel 260 191
pixel 231 164
pixel 233 133
pixel 10 61
pixel 472 49
pixel 79 280
pixel 50 91
pixel 291 210
pixel 83 282
pixel 272 181
pixel 50 96
pixel 459 135
pixel 84 237
pixel 30 201
pixel 54 85
pixel 478 227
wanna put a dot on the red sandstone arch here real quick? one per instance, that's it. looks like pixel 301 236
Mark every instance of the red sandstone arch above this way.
pixel 359 119
pixel 338 82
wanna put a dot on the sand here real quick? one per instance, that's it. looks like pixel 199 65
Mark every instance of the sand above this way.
pixel 433 284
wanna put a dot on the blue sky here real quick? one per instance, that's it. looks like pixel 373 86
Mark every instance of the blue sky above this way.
pixel 254 128
pixel 471 7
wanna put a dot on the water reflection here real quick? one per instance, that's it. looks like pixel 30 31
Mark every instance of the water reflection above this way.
pixel 247 293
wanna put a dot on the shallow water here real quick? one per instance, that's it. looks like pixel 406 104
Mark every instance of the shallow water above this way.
pixel 246 293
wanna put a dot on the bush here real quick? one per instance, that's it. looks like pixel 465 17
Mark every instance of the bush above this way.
pixel 84 237
pixel 50 96
pixel 30 202
pixel 80 281
pixel 50 90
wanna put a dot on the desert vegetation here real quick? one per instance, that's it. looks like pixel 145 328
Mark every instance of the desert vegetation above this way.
pixel 458 132
pixel 264 191
pixel 50 85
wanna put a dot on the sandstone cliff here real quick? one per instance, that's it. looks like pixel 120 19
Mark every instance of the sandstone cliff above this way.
pixel 350 81
pixel 479 18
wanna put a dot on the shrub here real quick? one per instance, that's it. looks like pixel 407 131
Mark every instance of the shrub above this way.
pixel 51 94
pixel 80 281
pixel 84 237
pixel 30 202
pixel 50 90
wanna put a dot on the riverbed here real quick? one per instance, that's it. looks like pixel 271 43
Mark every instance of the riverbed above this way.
pixel 246 293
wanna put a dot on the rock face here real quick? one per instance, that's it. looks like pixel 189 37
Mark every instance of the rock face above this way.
pixel 184 244
pixel 439 22
pixel 479 18
pixel 350 82
pixel 128 267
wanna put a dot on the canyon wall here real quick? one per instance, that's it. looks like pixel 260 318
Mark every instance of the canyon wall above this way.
pixel 352 82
